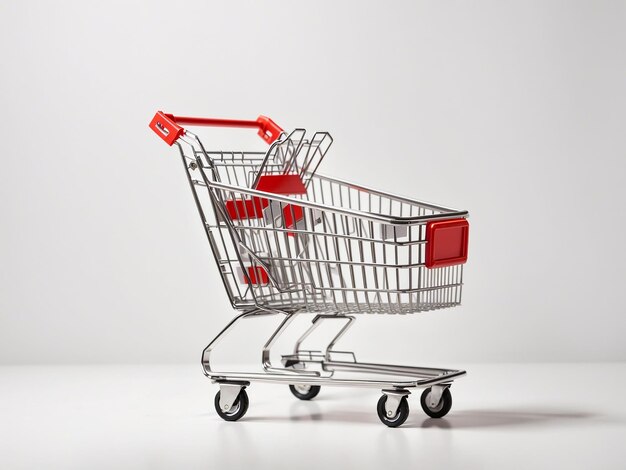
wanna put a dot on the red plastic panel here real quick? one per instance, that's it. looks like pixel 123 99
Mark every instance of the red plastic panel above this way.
pixel 240 209
pixel 257 275
pixel 292 214
pixel 281 184
pixel 446 242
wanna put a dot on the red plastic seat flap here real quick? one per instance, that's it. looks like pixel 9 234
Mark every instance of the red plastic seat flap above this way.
pixel 281 184
pixel 239 209
pixel 258 276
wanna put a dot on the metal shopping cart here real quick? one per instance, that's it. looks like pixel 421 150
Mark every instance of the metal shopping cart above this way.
pixel 289 241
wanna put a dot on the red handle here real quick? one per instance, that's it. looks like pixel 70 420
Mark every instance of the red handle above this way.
pixel 167 126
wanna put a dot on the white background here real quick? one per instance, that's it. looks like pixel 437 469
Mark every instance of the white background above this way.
pixel 512 110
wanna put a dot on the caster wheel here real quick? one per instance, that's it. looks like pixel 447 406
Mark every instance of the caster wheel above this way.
pixel 401 414
pixel 238 409
pixel 441 409
pixel 305 392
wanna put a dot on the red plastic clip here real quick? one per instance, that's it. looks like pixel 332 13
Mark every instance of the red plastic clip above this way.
pixel 268 129
pixel 166 128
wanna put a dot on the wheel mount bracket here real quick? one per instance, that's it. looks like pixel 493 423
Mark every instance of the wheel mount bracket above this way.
pixel 228 394
pixel 436 391
pixel 394 397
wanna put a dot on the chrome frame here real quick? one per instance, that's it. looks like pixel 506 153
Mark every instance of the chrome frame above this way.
pixel 301 261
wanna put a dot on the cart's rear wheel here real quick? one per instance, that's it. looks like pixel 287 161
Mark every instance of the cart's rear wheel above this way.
pixel 239 408
pixel 305 392
pixel 401 414
pixel 441 409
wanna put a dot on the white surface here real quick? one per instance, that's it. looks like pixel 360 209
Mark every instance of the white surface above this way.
pixel 503 416
pixel 512 110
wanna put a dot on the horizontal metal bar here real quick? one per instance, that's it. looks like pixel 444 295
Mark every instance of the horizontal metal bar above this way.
pixel 419 372
pixel 387 219
pixel 387 291
pixel 446 377
pixel 216 122
pixel 305 380
pixel 390 242
pixel 443 379
pixel 349 263
pixel 364 290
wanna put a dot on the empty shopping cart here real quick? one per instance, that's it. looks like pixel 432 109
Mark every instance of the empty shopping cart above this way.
pixel 289 241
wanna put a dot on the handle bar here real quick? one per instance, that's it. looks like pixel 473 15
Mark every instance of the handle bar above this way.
pixel 168 126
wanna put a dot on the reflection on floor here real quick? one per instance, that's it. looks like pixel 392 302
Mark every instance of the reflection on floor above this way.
pixel 503 416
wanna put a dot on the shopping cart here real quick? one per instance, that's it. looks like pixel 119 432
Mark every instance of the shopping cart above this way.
pixel 289 241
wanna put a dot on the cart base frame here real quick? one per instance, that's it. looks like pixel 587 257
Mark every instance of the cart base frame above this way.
pixel 316 368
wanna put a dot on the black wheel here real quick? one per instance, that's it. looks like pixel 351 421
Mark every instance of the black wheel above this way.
pixel 239 408
pixel 441 409
pixel 305 392
pixel 401 414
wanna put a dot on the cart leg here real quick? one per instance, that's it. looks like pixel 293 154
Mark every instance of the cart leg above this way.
pixel 317 321
pixel 305 335
pixel 338 336
pixel 206 354
pixel 265 355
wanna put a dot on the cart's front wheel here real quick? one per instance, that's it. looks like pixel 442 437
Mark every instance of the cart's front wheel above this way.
pixel 305 392
pixel 439 410
pixel 396 420
pixel 239 408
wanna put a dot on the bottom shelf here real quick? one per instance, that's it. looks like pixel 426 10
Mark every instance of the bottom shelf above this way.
pixel 298 370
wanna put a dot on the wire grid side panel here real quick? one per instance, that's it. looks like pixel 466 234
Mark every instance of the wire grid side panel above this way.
pixel 238 168
pixel 292 155
pixel 241 168
pixel 323 261
pixel 336 193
